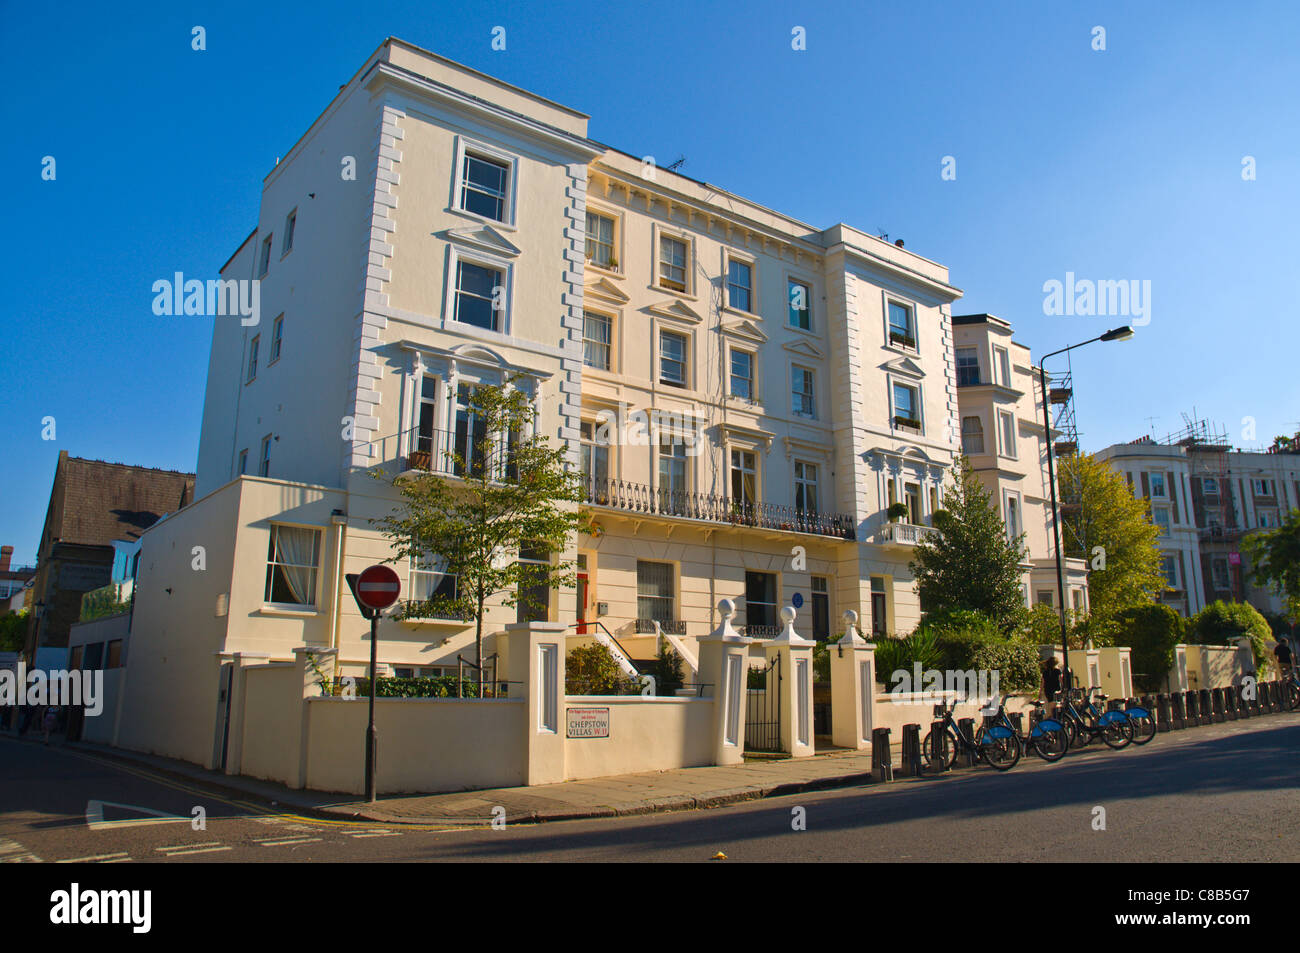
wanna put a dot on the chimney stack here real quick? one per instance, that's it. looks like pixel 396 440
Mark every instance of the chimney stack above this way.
pixel 6 554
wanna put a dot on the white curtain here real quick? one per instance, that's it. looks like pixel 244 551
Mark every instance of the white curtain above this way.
pixel 295 553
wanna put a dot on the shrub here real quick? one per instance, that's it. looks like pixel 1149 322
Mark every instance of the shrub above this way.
pixel 893 653
pixel 1222 623
pixel 1151 632
pixel 591 670
pixel 667 670
pixel 1015 661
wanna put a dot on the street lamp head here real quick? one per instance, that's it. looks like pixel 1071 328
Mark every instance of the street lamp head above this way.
pixel 1118 334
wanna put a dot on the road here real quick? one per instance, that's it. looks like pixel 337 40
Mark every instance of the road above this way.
pixel 1222 793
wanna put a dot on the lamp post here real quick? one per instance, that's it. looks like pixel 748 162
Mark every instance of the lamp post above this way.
pixel 1115 334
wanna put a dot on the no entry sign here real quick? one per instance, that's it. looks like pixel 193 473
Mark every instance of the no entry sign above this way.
pixel 378 587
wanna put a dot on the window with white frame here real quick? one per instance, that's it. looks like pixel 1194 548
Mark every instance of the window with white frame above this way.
pixel 480 291
pixel 600 240
pixel 277 337
pixel 597 340
pixel 674 254
pixel 264 260
pixel 902 325
pixel 742 374
pixel 484 186
pixel 264 466
pixel 672 468
pixel 253 347
pixel 800 301
pixel 1267 518
pixel 972 436
pixel 1160 516
pixel 292 563
pixel 907 406
pixel 426 415
pixel 1157 484
pixel 428 579
pixel 1169 568
pixel 290 223
pixel 1209 486
pixel 595 458
pixel 805 487
pixel 243 462
pixel 469 435
pixel 1002 361
pixel 744 477
pixel 1013 517
pixel 672 358
pixel 740 285
pixel 760 600
pixel 1046 597
pixel 533 593
pixel 1007 433
pixel 654 591
pixel 803 391
pixel 968 367
pixel 1262 487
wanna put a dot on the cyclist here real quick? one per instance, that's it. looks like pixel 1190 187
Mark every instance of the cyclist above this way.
pixel 1051 684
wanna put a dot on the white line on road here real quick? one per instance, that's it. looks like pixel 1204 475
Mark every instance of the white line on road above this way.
pixel 288 842
pixel 360 834
pixel 95 858
pixel 184 850
pixel 12 852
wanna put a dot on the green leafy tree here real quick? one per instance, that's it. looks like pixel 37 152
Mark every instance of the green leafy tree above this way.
pixel 1151 632
pixel 1223 623
pixel 969 563
pixel 508 503
pixel 13 631
pixel 592 670
pixel 1111 529
pixel 1275 556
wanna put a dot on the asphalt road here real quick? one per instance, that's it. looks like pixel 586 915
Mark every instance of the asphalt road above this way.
pixel 1223 793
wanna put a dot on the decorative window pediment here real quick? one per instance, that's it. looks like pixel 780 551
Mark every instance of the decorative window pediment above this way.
pixel 676 311
pixel 744 330
pixel 606 290
pixel 905 367
pixel 482 238
pixel 804 349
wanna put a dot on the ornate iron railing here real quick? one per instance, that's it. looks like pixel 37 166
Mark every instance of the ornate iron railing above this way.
pixel 672 627
pixel 639 498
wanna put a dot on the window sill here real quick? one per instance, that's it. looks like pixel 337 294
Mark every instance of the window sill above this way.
pixel 303 612
pixel 482 219
pixel 798 330
pixel 437 623
pixel 747 315
pixel 606 270
pixel 686 295
pixel 899 349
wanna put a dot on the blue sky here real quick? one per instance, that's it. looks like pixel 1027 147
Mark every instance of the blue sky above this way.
pixel 1122 164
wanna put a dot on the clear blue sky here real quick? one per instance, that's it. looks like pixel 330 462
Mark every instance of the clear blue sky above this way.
pixel 1123 164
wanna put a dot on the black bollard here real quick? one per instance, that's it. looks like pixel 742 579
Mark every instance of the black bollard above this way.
pixel 911 766
pixel 1164 713
pixel 1193 702
pixel 882 758
pixel 966 726
pixel 938 742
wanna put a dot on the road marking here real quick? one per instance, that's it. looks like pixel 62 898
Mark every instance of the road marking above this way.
pixel 12 852
pixel 289 842
pixel 184 850
pixel 379 833
pixel 97 858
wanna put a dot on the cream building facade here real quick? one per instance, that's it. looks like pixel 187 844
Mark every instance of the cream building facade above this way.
pixel 1002 434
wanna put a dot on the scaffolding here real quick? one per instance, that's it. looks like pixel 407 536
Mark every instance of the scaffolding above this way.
pixel 1207 448
pixel 1065 442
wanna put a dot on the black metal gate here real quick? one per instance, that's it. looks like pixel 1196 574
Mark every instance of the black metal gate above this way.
pixel 763 708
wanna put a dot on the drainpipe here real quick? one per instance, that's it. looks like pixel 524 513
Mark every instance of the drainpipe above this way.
pixel 339 520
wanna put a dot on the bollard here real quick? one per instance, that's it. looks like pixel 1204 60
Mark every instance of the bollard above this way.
pixel 1193 703
pixel 1230 706
pixel 1243 703
pixel 966 727
pixel 938 737
pixel 1180 719
pixel 911 766
pixel 882 763
pixel 1216 705
pixel 1164 713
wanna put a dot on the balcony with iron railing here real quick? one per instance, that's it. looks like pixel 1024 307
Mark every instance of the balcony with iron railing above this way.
pixel 639 498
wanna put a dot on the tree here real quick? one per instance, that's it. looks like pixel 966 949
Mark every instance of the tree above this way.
pixel 1275 556
pixel 1111 529
pixel 507 503
pixel 1151 632
pixel 969 563
pixel 13 631
pixel 1223 623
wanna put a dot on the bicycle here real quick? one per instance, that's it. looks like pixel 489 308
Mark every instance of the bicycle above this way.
pixel 1291 689
pixel 1047 737
pixel 1143 722
pixel 997 745
pixel 1113 727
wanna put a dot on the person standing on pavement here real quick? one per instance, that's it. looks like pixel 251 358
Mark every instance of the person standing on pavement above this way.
pixel 1284 657
pixel 1051 684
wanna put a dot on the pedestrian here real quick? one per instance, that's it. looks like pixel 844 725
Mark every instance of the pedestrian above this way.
pixel 1283 655
pixel 51 721
pixel 1051 684
pixel 27 712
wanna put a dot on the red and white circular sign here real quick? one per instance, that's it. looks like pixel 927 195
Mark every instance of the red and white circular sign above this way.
pixel 378 587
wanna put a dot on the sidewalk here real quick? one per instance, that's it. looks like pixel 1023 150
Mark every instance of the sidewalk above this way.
pixel 682 789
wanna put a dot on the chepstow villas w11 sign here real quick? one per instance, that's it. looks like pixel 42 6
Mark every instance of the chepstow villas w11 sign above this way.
pixel 39 688
pixel 588 723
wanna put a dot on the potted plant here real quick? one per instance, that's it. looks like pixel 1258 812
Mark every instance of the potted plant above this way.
pixel 897 512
